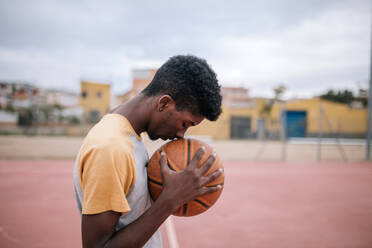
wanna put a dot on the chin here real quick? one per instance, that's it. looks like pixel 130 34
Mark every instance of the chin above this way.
pixel 153 138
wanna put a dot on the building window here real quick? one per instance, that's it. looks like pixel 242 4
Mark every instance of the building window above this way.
pixel 84 94
pixel 98 94
pixel 94 116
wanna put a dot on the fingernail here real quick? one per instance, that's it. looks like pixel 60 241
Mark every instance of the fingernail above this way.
pixel 214 154
pixel 162 153
pixel 219 186
pixel 220 170
pixel 203 148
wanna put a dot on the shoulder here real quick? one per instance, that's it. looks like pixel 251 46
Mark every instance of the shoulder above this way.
pixel 110 151
pixel 107 141
pixel 106 162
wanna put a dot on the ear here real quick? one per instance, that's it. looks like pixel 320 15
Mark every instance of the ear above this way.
pixel 165 102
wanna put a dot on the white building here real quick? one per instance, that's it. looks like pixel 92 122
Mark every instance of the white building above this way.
pixel 62 98
pixel 7 118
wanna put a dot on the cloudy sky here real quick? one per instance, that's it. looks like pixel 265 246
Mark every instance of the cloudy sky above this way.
pixel 309 46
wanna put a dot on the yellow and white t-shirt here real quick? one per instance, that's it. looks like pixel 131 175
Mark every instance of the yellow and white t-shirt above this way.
pixel 110 173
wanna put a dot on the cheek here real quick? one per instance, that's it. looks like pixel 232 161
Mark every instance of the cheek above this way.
pixel 169 129
pixel 154 127
pixel 170 125
pixel 160 129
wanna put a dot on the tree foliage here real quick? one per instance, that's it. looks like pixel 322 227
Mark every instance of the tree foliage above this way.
pixel 278 92
pixel 345 96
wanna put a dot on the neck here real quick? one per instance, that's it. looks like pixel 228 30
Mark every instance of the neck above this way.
pixel 137 111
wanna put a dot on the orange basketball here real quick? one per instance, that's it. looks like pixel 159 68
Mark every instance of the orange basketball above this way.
pixel 180 153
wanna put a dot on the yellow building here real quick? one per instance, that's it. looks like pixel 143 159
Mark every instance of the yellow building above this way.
pixel 311 116
pixel 302 118
pixel 94 99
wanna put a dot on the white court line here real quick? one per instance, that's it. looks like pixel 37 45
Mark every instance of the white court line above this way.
pixel 171 233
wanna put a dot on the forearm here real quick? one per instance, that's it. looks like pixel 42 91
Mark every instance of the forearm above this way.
pixel 140 231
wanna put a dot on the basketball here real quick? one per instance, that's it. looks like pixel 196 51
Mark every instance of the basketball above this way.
pixel 179 154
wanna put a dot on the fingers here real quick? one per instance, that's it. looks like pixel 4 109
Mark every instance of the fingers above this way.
pixel 197 157
pixel 163 163
pixel 210 178
pixel 207 164
pixel 207 190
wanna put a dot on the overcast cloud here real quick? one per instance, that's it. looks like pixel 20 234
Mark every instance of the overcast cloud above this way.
pixel 310 46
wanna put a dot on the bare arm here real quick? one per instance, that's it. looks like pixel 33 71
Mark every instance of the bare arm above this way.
pixel 179 188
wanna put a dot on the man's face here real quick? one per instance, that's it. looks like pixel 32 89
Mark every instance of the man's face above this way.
pixel 170 123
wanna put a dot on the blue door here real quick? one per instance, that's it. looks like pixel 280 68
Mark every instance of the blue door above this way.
pixel 295 123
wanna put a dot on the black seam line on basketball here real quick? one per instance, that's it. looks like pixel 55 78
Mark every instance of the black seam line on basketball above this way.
pixel 201 203
pixel 184 209
pixel 188 151
pixel 170 165
pixel 154 181
pixel 168 161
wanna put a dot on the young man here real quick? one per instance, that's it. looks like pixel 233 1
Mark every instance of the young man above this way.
pixel 110 179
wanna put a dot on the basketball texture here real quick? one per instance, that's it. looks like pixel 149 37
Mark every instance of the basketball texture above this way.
pixel 179 154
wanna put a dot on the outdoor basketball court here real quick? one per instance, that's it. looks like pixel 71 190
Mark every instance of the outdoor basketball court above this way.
pixel 263 205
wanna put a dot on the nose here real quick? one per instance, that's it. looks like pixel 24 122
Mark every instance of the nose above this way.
pixel 180 134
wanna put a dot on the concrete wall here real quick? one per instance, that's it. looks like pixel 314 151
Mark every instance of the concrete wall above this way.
pixel 7 118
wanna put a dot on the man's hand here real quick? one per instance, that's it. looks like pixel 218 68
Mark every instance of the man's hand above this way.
pixel 184 186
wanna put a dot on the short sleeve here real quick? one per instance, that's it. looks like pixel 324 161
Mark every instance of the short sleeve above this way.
pixel 107 176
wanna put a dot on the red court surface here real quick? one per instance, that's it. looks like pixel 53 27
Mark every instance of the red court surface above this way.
pixel 263 205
